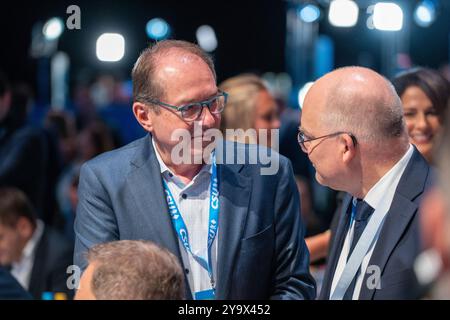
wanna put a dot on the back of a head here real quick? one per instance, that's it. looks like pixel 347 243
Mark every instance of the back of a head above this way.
pixel 434 85
pixel 361 101
pixel 135 270
pixel 243 92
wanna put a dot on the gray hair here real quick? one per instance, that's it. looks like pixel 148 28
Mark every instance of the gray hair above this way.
pixel 135 270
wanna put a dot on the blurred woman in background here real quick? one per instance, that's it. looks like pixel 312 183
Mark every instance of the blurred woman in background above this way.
pixel 249 106
pixel 425 98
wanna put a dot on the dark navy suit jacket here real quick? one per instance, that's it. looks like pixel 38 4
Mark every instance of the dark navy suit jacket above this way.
pixel 11 289
pixel 399 242
pixel 261 250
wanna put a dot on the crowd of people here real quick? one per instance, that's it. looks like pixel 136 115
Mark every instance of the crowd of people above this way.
pixel 357 203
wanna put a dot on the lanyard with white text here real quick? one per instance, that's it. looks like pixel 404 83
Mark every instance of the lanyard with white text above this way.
pixel 180 226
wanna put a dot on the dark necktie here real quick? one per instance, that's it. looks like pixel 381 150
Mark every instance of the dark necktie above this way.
pixel 362 216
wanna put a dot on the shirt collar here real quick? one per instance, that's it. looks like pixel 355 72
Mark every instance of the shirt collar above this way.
pixel 30 247
pixel 164 169
pixel 389 181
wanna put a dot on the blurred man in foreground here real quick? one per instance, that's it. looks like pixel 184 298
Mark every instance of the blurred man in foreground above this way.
pixel 131 270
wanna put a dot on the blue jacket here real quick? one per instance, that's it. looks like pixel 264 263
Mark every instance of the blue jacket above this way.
pixel 261 250
pixel 9 287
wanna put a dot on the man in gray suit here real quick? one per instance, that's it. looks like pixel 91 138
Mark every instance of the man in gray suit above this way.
pixel 236 232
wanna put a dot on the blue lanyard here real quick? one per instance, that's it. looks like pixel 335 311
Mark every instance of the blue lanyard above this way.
pixel 180 226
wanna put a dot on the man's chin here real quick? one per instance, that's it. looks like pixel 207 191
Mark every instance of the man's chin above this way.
pixel 321 180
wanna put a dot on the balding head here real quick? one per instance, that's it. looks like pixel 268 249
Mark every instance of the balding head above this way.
pixel 360 101
pixel 145 75
pixel 349 103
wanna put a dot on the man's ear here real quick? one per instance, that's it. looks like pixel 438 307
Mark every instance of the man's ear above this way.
pixel 144 115
pixel 348 148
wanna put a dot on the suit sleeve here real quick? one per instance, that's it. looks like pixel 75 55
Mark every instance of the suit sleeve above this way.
pixel 95 221
pixel 292 278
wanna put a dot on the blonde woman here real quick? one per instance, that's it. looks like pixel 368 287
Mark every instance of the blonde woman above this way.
pixel 249 106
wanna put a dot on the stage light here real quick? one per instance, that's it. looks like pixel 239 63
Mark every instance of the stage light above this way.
pixel 53 29
pixel 157 29
pixel 425 13
pixel 387 16
pixel 206 38
pixel 343 13
pixel 110 47
pixel 302 93
pixel 309 13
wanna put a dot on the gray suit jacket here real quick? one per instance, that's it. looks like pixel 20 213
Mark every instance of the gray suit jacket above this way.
pixel 261 250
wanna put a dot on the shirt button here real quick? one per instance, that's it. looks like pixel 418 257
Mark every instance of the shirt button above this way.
pixel 184 195
pixel 170 175
pixel 186 270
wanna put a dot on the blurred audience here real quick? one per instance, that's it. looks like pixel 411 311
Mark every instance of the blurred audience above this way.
pixel 23 151
pixel 62 125
pixel 131 270
pixel 425 98
pixel 36 255
pixel 94 139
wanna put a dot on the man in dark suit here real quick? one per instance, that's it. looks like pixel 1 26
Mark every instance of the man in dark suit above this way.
pixel 258 250
pixel 10 289
pixel 352 129
pixel 37 255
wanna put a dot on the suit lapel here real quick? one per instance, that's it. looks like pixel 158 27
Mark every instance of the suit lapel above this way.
pixel 401 212
pixel 146 187
pixel 336 247
pixel 235 193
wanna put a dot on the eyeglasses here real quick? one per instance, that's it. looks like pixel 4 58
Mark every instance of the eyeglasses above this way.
pixel 191 111
pixel 304 140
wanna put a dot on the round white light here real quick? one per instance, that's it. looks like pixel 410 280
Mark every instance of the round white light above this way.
pixel 302 93
pixel 309 13
pixel 53 28
pixel 110 47
pixel 157 29
pixel 206 38
pixel 343 13
pixel 387 16
pixel 425 13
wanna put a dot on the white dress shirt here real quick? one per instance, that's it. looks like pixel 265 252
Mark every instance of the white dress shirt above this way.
pixel 194 209
pixel 22 270
pixel 382 191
